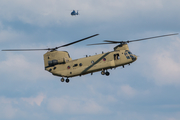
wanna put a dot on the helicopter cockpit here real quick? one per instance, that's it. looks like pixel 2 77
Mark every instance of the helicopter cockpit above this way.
pixel 129 55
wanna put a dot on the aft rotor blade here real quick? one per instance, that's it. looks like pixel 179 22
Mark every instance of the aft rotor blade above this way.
pixel 26 49
pixel 76 41
pixel 152 37
pixel 52 49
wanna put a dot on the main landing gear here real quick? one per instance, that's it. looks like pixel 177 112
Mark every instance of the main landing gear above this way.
pixel 67 80
pixel 105 73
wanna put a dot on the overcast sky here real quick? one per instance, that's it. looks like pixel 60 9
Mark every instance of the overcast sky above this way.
pixel 148 89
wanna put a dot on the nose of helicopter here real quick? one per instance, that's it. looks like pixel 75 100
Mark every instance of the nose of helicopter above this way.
pixel 134 57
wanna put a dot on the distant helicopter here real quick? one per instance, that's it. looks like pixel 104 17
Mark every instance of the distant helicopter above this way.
pixel 59 63
pixel 74 13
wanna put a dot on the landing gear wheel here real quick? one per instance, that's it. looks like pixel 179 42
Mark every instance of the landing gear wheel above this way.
pixel 62 79
pixel 67 80
pixel 107 73
pixel 102 72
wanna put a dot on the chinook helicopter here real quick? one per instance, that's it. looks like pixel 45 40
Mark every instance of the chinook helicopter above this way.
pixel 59 63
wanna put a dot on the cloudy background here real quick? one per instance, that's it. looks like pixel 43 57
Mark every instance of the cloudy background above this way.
pixel 148 89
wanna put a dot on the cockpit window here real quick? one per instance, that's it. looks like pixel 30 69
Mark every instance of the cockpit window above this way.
pixel 127 51
pixel 127 57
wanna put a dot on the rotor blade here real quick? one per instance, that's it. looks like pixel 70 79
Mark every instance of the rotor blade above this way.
pixel 100 44
pixel 51 48
pixel 76 41
pixel 26 49
pixel 111 41
pixel 152 37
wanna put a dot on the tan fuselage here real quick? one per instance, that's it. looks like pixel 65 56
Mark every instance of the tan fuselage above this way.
pixel 60 64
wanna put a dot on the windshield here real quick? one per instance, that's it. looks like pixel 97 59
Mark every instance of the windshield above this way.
pixel 128 52
pixel 131 55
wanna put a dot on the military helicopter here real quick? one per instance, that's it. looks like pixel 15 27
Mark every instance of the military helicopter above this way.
pixel 59 63
pixel 74 13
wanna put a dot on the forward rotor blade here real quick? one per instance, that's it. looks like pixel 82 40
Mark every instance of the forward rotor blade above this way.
pixel 111 41
pixel 152 37
pixel 76 41
pixel 26 49
pixel 100 44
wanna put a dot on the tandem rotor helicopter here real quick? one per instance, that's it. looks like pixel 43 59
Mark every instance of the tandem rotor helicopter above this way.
pixel 59 63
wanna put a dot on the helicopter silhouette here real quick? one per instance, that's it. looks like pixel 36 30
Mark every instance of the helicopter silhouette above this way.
pixel 74 13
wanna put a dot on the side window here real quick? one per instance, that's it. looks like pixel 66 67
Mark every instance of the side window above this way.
pixel 116 56
pixel 75 65
pixel 52 63
pixel 80 64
